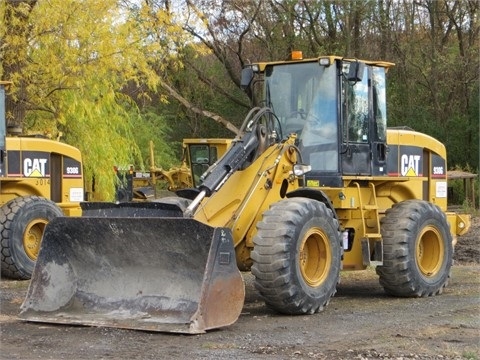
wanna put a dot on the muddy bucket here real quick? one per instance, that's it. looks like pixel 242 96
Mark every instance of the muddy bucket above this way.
pixel 146 273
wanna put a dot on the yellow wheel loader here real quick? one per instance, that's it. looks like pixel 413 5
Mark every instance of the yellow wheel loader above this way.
pixel 315 183
pixel 40 179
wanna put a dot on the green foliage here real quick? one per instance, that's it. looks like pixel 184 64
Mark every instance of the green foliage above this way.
pixel 470 355
pixel 151 127
pixel 204 95
pixel 103 131
pixel 461 138
pixel 75 59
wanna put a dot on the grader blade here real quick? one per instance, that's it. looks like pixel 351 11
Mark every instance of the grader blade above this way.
pixel 149 273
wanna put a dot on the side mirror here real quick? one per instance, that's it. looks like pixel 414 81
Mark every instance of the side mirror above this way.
pixel 355 71
pixel 247 76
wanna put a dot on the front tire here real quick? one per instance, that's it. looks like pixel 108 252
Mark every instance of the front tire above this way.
pixel 418 250
pixel 23 221
pixel 297 256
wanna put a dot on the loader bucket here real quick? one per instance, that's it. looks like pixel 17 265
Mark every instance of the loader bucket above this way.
pixel 168 274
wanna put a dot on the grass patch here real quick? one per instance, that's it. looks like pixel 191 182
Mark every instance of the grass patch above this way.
pixel 470 355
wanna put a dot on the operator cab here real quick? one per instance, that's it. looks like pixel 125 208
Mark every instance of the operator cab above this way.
pixel 201 157
pixel 337 108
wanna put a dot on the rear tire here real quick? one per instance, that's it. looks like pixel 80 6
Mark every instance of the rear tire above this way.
pixel 418 250
pixel 297 256
pixel 23 222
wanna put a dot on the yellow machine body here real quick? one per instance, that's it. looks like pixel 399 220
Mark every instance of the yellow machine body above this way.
pixel 40 179
pixel 46 168
pixel 315 183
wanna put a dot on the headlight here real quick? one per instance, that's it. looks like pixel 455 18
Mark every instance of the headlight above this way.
pixel 301 169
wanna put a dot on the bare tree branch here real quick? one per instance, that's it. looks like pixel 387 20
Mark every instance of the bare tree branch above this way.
pixel 227 124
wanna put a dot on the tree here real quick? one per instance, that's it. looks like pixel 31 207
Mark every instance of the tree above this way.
pixel 433 43
pixel 14 51
pixel 435 84
pixel 68 61
pixel 159 26
pixel 118 59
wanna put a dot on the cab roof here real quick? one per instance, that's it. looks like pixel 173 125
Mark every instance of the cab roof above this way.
pixel 331 59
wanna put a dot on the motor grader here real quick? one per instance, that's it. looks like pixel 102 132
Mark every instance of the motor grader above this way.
pixel 40 179
pixel 315 183
pixel 198 156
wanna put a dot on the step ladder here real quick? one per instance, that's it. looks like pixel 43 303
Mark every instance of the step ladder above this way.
pixel 368 237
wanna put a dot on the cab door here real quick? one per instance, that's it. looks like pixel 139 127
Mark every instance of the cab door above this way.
pixel 364 148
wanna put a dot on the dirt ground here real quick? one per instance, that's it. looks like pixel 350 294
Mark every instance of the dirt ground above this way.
pixel 361 322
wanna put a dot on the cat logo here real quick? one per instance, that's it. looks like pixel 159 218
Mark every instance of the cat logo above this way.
pixel 34 167
pixel 409 165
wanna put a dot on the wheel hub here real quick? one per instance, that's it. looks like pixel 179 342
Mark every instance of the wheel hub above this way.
pixel 315 257
pixel 430 251
pixel 32 238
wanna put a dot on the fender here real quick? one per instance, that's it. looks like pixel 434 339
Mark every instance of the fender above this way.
pixel 318 195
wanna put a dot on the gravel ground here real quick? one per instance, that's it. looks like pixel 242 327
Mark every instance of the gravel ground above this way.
pixel 361 322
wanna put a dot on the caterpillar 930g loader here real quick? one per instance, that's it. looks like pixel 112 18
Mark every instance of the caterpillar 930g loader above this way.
pixel 314 183
pixel 40 179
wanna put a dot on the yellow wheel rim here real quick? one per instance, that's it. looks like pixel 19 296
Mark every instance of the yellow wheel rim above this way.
pixel 32 237
pixel 430 251
pixel 315 257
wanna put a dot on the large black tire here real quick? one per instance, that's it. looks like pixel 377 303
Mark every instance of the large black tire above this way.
pixel 297 256
pixel 418 250
pixel 23 222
